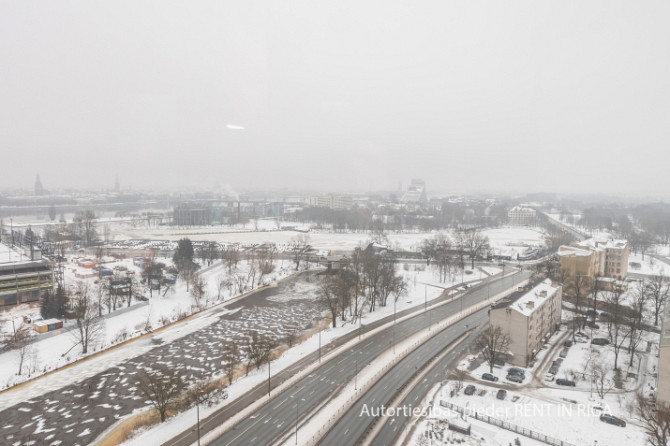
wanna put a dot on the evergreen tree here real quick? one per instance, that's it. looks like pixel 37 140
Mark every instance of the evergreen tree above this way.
pixel 45 307
pixel 184 252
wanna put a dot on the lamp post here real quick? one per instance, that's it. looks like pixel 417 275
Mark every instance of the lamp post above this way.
pixel 197 409
pixel 297 402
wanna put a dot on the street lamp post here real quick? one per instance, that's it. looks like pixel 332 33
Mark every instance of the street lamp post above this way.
pixel 197 409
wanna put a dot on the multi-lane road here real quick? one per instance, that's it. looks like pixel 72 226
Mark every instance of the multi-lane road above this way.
pixel 275 420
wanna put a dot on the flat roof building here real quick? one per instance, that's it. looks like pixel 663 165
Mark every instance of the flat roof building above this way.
pixel 528 319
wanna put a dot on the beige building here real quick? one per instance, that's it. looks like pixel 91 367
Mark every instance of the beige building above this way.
pixel 663 395
pixel 595 258
pixel 528 319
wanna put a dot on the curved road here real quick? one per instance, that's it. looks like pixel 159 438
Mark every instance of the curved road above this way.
pixel 277 418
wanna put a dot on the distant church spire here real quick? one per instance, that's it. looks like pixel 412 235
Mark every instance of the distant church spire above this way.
pixel 39 190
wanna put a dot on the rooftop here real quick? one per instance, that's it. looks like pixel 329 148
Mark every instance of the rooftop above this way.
pixel 526 302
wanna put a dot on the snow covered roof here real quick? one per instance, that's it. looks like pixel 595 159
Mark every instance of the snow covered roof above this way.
pixel 527 303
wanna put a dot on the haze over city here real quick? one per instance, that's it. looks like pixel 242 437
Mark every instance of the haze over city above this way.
pixel 470 96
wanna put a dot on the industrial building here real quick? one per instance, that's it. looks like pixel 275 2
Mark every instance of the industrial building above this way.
pixel 22 281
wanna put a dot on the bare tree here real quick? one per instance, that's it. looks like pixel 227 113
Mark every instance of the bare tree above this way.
pixel 617 327
pixel 299 247
pixel 602 377
pixel 330 298
pixel 20 341
pixel 187 269
pixel 88 323
pixel 492 343
pixel 583 285
pixel 84 223
pixel 476 245
pixel 655 420
pixel 162 388
pixel 259 348
pixel 231 356
pixel 636 320
pixel 461 246
pixel 198 291
pixel 659 290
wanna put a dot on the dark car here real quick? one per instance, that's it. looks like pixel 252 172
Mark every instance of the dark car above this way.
pixel 565 382
pixel 567 344
pixel 553 369
pixel 612 420
pixel 501 394
pixel 489 377
pixel 469 390
pixel 514 378
pixel 600 341
pixel 516 371
pixel 498 362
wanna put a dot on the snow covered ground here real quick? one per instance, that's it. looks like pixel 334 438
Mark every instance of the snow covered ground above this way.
pixel 419 291
pixel 547 414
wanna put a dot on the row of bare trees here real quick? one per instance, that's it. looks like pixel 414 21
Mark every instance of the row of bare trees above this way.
pixel 445 254
pixel 365 280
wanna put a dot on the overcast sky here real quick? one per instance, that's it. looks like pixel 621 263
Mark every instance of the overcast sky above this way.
pixel 471 96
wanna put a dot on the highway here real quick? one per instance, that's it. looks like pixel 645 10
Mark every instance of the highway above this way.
pixel 393 426
pixel 277 418
pixel 359 418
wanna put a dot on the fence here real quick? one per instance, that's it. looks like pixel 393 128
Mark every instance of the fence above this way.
pixel 508 426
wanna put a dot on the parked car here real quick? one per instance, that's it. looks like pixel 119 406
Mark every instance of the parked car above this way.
pixel 565 382
pixel 499 362
pixel 489 377
pixel 553 369
pixel 514 378
pixel 610 419
pixel 516 371
pixel 600 341
pixel 567 344
pixel 563 353
pixel 501 394
pixel 549 377
pixel 469 390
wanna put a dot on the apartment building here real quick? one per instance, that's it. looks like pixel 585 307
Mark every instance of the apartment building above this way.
pixel 529 319
pixel 333 201
pixel 594 258
pixel 521 216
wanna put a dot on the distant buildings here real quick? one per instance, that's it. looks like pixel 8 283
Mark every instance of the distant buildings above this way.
pixel 23 281
pixel 593 259
pixel 416 192
pixel 192 214
pixel 521 216
pixel 333 201
pixel 528 319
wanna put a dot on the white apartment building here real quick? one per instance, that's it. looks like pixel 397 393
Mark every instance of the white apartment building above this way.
pixel 529 320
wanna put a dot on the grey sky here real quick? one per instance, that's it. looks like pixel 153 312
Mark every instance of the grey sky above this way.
pixel 470 96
